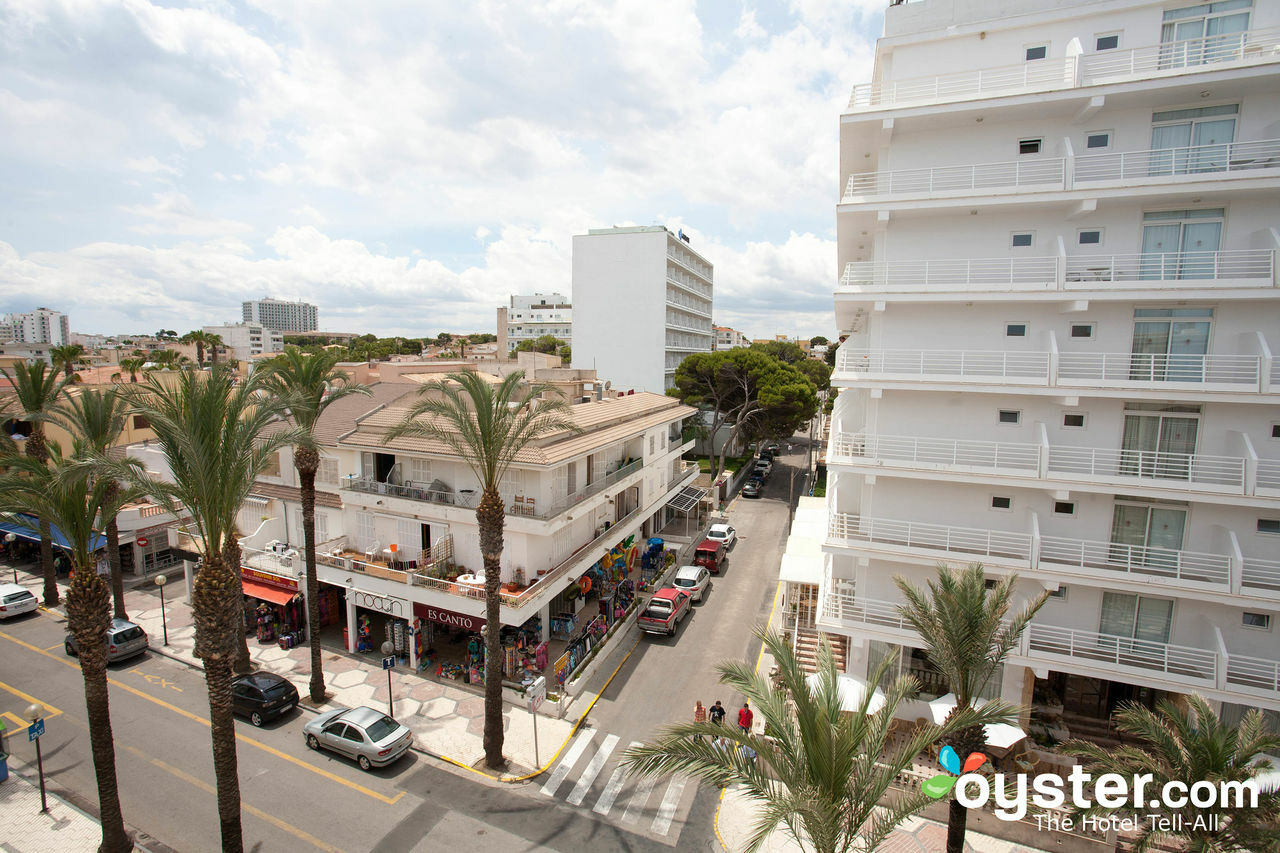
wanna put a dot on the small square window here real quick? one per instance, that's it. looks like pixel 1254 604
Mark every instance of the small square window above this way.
pixel 1269 525
pixel 1022 239
pixel 1256 620
pixel 1082 330
pixel 1060 592
pixel 141 422
pixel 1110 42
pixel 1275 430
pixel 1012 416
pixel 1015 330
pixel 1072 420
pixel 990 583
pixel 1098 141
pixel 1064 507
pixel 998 502
pixel 1040 51
pixel 1029 146
pixel 1089 237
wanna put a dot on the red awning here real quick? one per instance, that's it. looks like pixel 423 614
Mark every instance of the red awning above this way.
pixel 254 589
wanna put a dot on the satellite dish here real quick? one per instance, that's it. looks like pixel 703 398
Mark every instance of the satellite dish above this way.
pixel 608 383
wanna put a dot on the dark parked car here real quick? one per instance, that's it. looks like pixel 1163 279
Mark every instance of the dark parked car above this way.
pixel 752 488
pixel 263 696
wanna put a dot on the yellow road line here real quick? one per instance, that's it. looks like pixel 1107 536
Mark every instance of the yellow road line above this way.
pixel 55 646
pixel 16 720
pixel 369 792
pixel 52 711
pixel 253 810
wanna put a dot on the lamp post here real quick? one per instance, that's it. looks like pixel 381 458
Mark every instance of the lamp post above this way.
pixel 388 652
pixel 161 580
pixel 9 539
pixel 35 711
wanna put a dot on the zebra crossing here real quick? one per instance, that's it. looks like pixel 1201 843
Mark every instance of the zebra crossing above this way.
pixel 620 793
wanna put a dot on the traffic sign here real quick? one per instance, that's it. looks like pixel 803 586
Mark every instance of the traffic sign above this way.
pixel 388 662
pixel 35 730
pixel 142 541
pixel 536 692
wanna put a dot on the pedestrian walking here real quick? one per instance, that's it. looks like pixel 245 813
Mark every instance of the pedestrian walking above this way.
pixel 745 717
pixel 716 713
pixel 747 754
pixel 699 714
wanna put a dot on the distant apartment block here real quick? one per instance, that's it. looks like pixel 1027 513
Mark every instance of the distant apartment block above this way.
pixel 527 318
pixel 280 315
pixel 245 340
pixel 727 338
pixel 41 326
pixel 641 303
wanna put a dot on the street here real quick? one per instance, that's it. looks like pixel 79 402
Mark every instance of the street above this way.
pixel 297 799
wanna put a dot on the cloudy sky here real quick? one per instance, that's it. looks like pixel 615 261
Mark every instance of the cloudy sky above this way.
pixel 408 165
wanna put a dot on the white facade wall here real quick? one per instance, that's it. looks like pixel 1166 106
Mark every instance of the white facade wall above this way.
pixel 529 317
pixel 41 326
pixel 281 315
pixel 244 339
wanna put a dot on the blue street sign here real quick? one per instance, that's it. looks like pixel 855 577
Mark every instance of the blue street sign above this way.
pixel 387 663
pixel 35 730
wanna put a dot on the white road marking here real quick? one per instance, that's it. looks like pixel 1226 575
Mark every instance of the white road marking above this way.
pixel 666 811
pixel 638 798
pixel 610 793
pixel 592 771
pixel 578 747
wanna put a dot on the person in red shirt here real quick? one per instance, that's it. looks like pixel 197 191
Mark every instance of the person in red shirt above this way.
pixel 744 718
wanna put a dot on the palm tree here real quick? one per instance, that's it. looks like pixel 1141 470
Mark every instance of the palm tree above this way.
pixel 97 418
pixel 210 429
pixel 63 492
pixel 821 771
pixel 968 633
pixel 133 366
pixel 66 358
pixel 487 425
pixel 37 389
pixel 308 385
pixel 1189 745
pixel 166 358
pixel 200 339
pixel 213 342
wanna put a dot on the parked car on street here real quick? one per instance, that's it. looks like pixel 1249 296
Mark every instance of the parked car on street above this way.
pixel 723 533
pixel 763 469
pixel 752 488
pixel 16 599
pixel 262 696
pixel 693 580
pixel 711 554
pixel 370 737
pixel 664 611
pixel 124 640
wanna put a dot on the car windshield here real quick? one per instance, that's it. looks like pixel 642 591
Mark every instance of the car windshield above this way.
pixel 128 634
pixel 17 596
pixel 685 582
pixel 277 690
pixel 379 729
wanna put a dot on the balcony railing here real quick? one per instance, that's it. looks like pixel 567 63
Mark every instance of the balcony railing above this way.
pixel 1149 655
pixel 1046 172
pixel 1186 160
pixel 1269 474
pixel 1255 673
pixel 1180 57
pixel 1125 367
pixel 1196 468
pixel 945 364
pixel 937 452
pixel 1193 566
pixel 847 527
pixel 842 607
pixel 1258 573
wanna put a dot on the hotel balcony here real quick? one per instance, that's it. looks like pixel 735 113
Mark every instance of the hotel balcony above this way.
pixel 1170 59
pixel 1072 372
pixel 1127 171
pixel 1057 466
pixel 1032 554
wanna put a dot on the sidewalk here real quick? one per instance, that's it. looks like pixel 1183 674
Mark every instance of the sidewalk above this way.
pixel 28 830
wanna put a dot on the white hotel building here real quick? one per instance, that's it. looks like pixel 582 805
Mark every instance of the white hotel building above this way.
pixel 1058 232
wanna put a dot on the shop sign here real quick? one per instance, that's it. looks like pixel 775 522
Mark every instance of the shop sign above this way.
pixel 560 670
pixel 369 601
pixel 449 617
pixel 269 579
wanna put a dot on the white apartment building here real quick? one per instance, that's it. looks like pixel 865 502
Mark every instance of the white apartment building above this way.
pixel 41 326
pixel 641 303
pixel 245 340
pixel 280 315
pixel 527 318
pixel 727 338
pixel 1057 231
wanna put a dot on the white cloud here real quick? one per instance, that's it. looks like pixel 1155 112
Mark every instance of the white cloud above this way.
pixel 173 213
pixel 152 166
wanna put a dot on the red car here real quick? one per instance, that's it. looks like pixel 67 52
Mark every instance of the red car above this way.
pixel 711 554
pixel 667 607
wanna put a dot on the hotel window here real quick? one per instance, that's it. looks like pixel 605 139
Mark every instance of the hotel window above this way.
pixel 1099 140
pixel 1082 330
pixel 1269 525
pixel 1030 146
pixel 1009 416
pixel 1015 330
pixel 1000 502
pixel 1073 420
pixel 1060 592
pixel 1039 51
pixel 1256 620
pixel 1110 41
pixel 1064 507
pixel 1022 239
pixel 1089 237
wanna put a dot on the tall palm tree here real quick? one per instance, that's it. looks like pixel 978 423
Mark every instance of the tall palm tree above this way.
pixel 37 389
pixel 213 342
pixel 66 358
pixel 97 418
pixel 200 339
pixel 133 366
pixel 968 633
pixel 210 429
pixel 1187 745
pixel 487 425
pixel 63 492
pixel 167 358
pixel 822 771
pixel 308 385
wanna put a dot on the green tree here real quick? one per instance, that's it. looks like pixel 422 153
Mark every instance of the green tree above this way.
pixel 167 358
pixel 821 772
pixel 1189 745
pixel 549 344
pixel 442 339
pixel 486 426
pixel 200 339
pixel 817 341
pixel 816 372
pixel 65 358
pixel 784 351
pixel 213 343
pixel 566 354
pixel 133 366
pixel 212 432
pixel 37 390
pixel 307 385
pixel 61 491
pixel 831 356
pixel 968 633
pixel 96 419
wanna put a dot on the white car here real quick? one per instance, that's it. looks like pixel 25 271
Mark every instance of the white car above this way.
pixel 723 533
pixel 693 580
pixel 16 599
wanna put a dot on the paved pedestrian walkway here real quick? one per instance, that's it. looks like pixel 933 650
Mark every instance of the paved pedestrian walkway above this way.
pixel 26 829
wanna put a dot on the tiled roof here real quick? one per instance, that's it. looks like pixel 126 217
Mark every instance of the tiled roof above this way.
pixel 293 493
pixel 341 415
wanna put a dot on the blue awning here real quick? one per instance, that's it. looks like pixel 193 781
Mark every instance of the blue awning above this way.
pixel 28 527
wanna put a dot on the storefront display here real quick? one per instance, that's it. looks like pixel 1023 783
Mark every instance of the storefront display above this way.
pixel 273 608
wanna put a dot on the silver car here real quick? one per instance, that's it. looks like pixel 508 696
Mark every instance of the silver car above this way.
pixel 693 580
pixel 370 737
pixel 124 640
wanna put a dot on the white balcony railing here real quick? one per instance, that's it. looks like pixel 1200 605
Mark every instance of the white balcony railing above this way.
pixel 1187 160
pixel 1193 566
pixel 1196 468
pixel 1126 367
pixel 1083 272
pixel 1269 474
pixel 973 177
pixel 1150 655
pixel 1255 673
pixel 842 607
pixel 1046 75
pixel 1258 573
pixel 847 527
pixel 944 364
pixel 937 452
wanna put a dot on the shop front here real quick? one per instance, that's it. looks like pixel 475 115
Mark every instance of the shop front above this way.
pixel 273 608
pixel 149 552
pixel 451 646
pixel 373 619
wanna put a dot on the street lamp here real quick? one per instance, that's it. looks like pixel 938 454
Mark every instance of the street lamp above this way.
pixel 9 539
pixel 161 580
pixel 389 649
pixel 35 711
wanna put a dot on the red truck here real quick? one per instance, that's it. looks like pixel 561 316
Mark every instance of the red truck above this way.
pixel 667 607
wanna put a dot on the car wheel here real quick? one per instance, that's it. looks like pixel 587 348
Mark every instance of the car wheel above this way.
pixel 70 650
pixel 313 741
pixel 365 763
pixel 255 718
